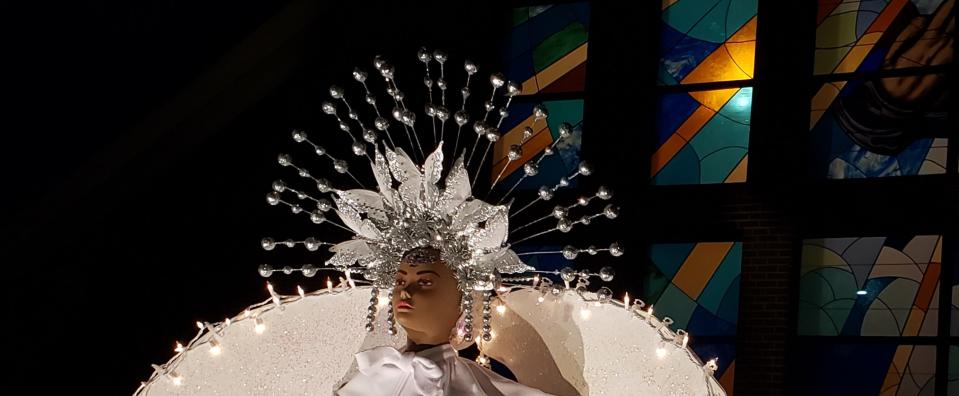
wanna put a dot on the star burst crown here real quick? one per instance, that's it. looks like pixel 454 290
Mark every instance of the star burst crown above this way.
pixel 415 206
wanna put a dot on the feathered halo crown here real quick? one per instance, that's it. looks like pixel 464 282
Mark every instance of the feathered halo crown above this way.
pixel 415 206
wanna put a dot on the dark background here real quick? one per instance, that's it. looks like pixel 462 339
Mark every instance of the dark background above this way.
pixel 140 139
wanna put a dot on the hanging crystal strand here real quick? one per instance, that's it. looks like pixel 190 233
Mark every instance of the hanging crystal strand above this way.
pixel 371 311
pixel 380 122
pixel 424 56
pixel 462 117
pixel 468 319
pixel 512 89
pixel 390 321
pixel 539 113
pixel 481 127
pixel 487 314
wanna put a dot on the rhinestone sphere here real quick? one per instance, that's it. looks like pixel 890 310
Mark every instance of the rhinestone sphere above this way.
pixel 530 169
pixel 279 186
pixel 299 135
pixel 570 252
pixel 470 67
pixel 545 193
pixel 359 75
pixel 265 270
pixel 267 243
pixel 607 274
pixel 497 79
pixel 308 270
pixel 615 249
pixel 328 108
pixel 273 198
pixel 604 193
pixel 336 92
pixel 568 274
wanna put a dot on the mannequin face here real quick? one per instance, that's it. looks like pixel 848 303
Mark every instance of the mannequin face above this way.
pixel 426 299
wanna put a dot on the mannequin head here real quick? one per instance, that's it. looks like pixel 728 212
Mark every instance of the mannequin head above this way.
pixel 426 297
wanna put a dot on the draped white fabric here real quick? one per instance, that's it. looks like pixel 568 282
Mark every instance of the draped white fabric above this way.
pixel 438 371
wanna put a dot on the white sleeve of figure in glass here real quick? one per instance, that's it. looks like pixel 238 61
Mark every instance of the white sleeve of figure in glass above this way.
pixel 438 371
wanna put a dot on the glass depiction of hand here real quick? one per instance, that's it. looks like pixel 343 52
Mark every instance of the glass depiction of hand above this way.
pixel 887 115
pixel 925 40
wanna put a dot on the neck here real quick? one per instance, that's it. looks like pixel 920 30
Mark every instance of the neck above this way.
pixel 417 341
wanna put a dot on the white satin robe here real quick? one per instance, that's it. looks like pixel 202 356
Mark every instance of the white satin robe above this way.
pixel 437 371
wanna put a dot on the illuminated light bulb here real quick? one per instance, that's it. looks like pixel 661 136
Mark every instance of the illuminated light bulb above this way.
pixel 535 280
pixel 246 313
pixel 215 348
pixel 329 286
pixel 661 352
pixel 300 291
pixel 258 326
pixel 541 299
pixel 228 321
pixel 862 292
pixel 585 313
pixel 501 309
pixel 179 347
pixel 626 301
pixel 743 102
pixel 685 340
pixel 649 315
pixel 199 325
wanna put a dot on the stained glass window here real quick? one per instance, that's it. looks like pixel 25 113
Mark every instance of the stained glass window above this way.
pixel 697 285
pixel 866 369
pixel 702 137
pixel 894 126
pixel 547 48
pixel 868 35
pixel 870 286
pixel 707 41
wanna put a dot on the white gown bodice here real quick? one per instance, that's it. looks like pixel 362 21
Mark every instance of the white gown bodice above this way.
pixel 437 371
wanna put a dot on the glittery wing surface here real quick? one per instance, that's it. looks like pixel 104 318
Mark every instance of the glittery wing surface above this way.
pixel 489 228
pixel 432 171
pixel 457 188
pixel 384 181
pixel 349 252
pixel 354 220
pixel 364 201
pixel 506 262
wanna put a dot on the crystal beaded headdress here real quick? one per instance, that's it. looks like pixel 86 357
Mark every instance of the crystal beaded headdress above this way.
pixel 415 206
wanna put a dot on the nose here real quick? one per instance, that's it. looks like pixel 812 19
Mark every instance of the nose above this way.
pixel 403 294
